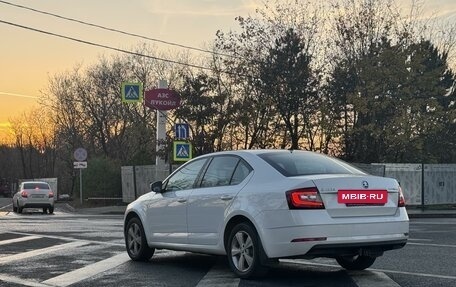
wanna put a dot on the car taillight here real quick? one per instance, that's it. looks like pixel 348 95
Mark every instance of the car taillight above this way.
pixel 304 198
pixel 24 193
pixel 51 194
pixel 401 201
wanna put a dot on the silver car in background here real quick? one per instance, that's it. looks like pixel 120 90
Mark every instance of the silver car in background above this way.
pixel 34 194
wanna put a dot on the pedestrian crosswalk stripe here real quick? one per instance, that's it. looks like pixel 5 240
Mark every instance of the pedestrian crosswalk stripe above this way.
pixel 19 281
pixel 41 251
pixel 66 238
pixel 87 271
pixel 219 276
pixel 372 278
pixel 21 239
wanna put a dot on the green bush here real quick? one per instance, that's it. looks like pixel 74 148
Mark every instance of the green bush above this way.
pixel 102 178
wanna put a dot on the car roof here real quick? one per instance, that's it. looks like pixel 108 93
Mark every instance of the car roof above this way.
pixel 253 151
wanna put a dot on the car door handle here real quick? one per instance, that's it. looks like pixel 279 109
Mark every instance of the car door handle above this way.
pixel 226 197
pixel 181 200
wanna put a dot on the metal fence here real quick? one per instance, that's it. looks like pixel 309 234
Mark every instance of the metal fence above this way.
pixel 136 180
pixel 422 184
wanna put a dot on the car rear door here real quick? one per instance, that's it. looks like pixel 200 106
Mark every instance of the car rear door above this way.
pixel 224 177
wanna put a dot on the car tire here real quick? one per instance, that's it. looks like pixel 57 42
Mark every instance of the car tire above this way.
pixel 51 210
pixel 19 208
pixel 135 241
pixel 44 210
pixel 357 262
pixel 244 251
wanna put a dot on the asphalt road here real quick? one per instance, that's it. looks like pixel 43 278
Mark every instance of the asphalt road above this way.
pixel 88 250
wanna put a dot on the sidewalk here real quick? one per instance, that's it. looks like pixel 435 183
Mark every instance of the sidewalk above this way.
pixel 119 210
pixel 106 210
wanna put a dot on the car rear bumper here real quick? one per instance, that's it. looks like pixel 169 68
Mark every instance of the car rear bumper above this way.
pixel 349 249
pixel 37 203
pixel 315 233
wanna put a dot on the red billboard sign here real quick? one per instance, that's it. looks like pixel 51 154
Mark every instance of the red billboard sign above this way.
pixel 161 99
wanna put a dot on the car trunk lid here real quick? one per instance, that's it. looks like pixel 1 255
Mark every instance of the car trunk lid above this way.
pixel 351 196
pixel 37 193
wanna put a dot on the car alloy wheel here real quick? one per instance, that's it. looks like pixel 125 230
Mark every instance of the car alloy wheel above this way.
pixel 136 242
pixel 244 251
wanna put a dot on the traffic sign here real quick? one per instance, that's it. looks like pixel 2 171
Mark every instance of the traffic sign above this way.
pixel 182 131
pixel 80 154
pixel 132 92
pixel 182 151
pixel 80 164
pixel 162 99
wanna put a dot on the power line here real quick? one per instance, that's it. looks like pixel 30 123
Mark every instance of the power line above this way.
pixel 18 95
pixel 108 47
pixel 116 30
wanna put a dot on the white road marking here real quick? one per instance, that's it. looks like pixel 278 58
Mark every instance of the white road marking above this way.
pixel 306 262
pixel 87 271
pixel 416 274
pixel 41 251
pixel 219 277
pixel 19 281
pixel 6 206
pixel 418 239
pixel 372 278
pixel 431 244
pixel 73 239
pixel 20 239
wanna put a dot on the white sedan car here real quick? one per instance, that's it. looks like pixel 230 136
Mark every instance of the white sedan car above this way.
pixel 257 206
pixel 34 194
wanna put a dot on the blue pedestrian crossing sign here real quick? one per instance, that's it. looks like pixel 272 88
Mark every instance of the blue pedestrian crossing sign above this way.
pixel 182 151
pixel 132 92
pixel 182 131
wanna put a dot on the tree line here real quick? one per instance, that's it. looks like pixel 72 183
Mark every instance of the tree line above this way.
pixel 355 78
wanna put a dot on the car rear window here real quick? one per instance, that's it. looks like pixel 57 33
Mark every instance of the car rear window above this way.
pixel 36 186
pixel 296 163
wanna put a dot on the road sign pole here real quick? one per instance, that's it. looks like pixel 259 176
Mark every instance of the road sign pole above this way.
pixel 160 164
pixel 80 154
pixel 80 185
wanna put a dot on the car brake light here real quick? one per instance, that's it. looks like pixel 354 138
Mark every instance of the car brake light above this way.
pixel 51 194
pixel 304 198
pixel 401 201
pixel 24 193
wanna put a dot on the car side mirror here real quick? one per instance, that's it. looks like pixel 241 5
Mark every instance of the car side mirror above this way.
pixel 156 186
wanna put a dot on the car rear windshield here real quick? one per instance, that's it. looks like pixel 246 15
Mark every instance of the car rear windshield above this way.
pixel 36 186
pixel 296 163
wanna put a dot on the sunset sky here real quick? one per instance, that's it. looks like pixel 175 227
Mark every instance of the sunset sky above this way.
pixel 28 58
